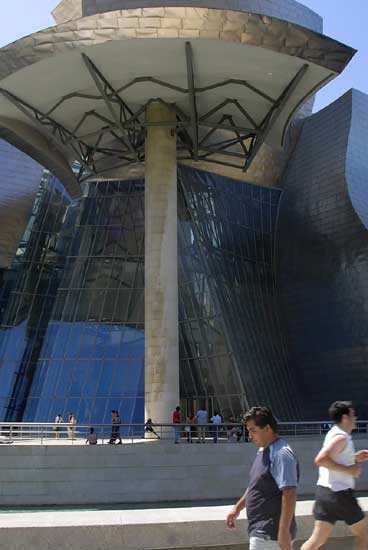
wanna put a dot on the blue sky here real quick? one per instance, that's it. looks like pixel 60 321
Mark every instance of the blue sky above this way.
pixel 344 21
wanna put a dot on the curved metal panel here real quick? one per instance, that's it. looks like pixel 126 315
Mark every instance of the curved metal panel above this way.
pixel 66 10
pixel 33 143
pixel 93 105
pixel 230 26
pixel 357 156
pixel 20 178
pixel 289 10
pixel 323 256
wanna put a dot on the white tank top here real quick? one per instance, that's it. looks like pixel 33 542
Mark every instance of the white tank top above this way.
pixel 337 481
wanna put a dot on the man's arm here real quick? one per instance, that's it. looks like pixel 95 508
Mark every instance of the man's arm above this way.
pixel 326 455
pixel 361 456
pixel 287 513
pixel 239 506
pixel 284 469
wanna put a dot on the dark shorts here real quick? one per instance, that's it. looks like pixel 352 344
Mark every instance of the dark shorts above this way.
pixel 333 506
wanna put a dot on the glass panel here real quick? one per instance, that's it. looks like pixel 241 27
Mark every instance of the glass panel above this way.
pixel 231 347
pixel 70 331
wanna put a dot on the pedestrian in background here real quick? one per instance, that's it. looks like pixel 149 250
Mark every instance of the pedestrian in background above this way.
pixel 231 430
pixel 201 419
pixel 72 421
pixel 188 427
pixel 92 437
pixel 113 427
pixel 216 421
pixel 176 420
pixel 148 428
pixel 58 420
pixel 117 422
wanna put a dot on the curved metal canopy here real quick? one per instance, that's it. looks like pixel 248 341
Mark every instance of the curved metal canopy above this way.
pixel 229 95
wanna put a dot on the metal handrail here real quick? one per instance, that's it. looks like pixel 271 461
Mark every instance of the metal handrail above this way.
pixel 39 432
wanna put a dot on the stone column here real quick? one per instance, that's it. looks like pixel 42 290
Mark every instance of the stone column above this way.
pixel 161 267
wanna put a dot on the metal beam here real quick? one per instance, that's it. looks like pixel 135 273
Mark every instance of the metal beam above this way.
pixel 275 112
pixel 45 123
pixel 125 128
pixel 102 85
pixel 240 83
pixel 219 126
pixel 192 97
pixel 154 81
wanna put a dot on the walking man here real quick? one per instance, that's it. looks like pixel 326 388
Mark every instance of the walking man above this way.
pixel 271 494
pixel 338 468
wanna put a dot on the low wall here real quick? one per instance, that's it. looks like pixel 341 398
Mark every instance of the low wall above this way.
pixel 145 472
pixel 150 529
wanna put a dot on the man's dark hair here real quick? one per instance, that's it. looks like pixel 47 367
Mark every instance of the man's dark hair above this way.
pixel 262 417
pixel 338 409
pixel 177 409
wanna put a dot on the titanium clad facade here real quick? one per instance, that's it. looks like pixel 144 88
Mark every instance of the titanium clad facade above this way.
pixel 272 288
pixel 272 270
pixel 19 181
pixel 288 10
pixel 323 256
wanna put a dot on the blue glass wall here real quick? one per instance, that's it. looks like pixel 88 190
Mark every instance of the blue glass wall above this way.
pixel 85 351
pixel 27 297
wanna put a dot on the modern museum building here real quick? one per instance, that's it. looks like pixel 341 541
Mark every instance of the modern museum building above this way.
pixel 176 226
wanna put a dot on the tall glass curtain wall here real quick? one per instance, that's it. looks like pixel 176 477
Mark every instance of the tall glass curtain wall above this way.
pixel 72 307
pixel 231 344
pixel 92 331
pixel 27 296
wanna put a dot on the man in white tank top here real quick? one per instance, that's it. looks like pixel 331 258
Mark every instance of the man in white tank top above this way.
pixel 338 468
